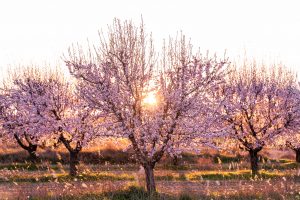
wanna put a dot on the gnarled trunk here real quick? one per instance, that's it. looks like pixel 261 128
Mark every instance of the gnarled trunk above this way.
pixel 32 152
pixel 254 161
pixel 297 151
pixel 74 161
pixel 175 160
pixel 30 148
pixel 150 182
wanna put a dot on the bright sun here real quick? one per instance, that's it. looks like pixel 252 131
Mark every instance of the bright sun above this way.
pixel 150 99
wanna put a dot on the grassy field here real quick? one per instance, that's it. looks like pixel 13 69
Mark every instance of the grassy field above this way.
pixel 113 174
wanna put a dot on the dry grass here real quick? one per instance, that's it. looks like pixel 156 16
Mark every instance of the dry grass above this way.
pixel 172 190
pixel 108 172
pixel 113 184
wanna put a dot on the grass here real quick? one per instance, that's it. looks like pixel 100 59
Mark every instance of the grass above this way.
pixel 245 196
pixel 169 176
pixel 138 193
pixel 65 178
pixel 223 175
pixel 219 158
pixel 283 165
pixel 21 166
pixel 115 165
pixel 131 193
pixel 218 175
pixel 112 156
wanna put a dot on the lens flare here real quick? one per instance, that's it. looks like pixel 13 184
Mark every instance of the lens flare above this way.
pixel 150 99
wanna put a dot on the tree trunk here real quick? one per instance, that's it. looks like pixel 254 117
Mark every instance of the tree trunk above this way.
pixel 73 163
pixel 32 152
pixel 74 160
pixel 151 188
pixel 175 160
pixel 31 148
pixel 297 151
pixel 254 161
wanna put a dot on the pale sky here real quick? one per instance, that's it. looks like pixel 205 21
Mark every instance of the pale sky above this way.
pixel 40 31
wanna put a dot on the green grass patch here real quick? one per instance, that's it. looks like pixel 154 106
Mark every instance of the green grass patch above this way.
pixel 28 166
pixel 219 175
pixel 21 166
pixel 66 178
pixel 183 176
pixel 176 167
pixel 285 161
pixel 284 165
pixel 224 175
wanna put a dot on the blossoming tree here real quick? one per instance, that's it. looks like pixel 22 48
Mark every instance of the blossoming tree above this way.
pixel 290 138
pixel 118 76
pixel 259 106
pixel 44 109
pixel 19 108
pixel 67 118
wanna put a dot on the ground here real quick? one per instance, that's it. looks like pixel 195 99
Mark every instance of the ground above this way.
pixel 204 176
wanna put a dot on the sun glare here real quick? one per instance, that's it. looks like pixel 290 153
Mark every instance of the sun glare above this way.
pixel 150 99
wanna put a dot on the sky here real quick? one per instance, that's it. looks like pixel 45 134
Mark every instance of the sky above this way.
pixel 39 32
